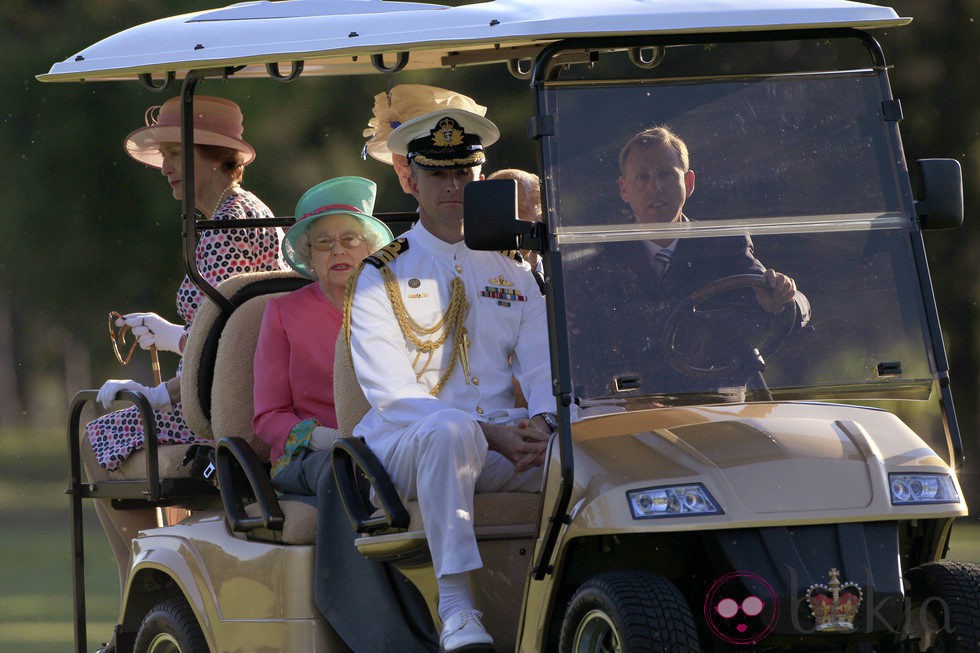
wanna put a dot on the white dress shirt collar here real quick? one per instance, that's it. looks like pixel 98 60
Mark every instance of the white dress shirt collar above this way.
pixel 420 235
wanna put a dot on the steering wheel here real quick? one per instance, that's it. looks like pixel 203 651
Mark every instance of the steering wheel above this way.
pixel 687 314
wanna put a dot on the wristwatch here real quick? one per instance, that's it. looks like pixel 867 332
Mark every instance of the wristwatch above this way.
pixel 550 419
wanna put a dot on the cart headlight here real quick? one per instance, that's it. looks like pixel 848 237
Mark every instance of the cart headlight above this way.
pixel 907 489
pixel 672 501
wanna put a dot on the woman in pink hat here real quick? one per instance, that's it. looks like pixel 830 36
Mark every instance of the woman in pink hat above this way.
pixel 220 157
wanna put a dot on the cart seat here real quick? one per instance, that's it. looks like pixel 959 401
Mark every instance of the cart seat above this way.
pixel 299 527
pixel 216 382
pixel 217 386
pixel 168 461
pixel 496 515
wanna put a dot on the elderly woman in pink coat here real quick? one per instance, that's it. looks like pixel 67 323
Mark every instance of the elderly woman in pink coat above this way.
pixel 296 416
pixel 294 404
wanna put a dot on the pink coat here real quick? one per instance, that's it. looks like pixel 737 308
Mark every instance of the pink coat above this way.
pixel 294 365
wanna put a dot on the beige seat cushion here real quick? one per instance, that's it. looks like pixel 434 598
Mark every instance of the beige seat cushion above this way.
pixel 496 515
pixel 492 510
pixel 232 399
pixel 349 399
pixel 493 513
pixel 229 354
pixel 169 458
pixel 299 527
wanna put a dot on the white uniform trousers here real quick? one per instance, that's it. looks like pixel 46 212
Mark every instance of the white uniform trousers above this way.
pixel 442 460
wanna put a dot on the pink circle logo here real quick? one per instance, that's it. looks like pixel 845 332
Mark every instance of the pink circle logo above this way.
pixel 741 608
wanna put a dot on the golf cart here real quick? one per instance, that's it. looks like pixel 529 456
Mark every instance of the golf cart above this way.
pixel 732 478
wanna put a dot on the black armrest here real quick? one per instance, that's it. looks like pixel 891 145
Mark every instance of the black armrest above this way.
pixel 351 459
pixel 241 474
pixel 147 489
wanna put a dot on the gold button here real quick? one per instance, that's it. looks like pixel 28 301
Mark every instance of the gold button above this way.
pixel 459 269
pixel 476 381
pixel 479 410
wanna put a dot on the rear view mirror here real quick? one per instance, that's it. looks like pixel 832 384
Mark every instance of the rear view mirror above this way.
pixel 490 221
pixel 941 204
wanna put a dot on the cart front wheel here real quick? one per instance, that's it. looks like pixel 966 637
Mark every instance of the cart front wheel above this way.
pixel 628 612
pixel 945 608
pixel 170 627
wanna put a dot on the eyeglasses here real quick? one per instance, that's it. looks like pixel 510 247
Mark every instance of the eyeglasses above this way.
pixel 119 338
pixel 347 241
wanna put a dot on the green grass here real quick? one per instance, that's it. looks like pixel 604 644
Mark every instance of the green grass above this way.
pixel 35 562
pixel 35 550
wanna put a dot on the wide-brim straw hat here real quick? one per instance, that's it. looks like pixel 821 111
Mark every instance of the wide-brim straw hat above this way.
pixel 352 196
pixel 445 139
pixel 217 121
pixel 403 103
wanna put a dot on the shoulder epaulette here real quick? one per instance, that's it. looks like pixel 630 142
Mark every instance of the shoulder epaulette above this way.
pixel 513 254
pixel 388 253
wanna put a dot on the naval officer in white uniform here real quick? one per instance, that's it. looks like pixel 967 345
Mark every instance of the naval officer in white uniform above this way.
pixel 436 333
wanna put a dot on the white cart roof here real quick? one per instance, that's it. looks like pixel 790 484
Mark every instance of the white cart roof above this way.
pixel 338 37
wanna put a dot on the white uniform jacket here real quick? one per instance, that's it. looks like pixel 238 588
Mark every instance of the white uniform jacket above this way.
pixel 506 325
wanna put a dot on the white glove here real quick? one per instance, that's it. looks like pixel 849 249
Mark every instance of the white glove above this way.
pixel 151 330
pixel 158 396
pixel 323 437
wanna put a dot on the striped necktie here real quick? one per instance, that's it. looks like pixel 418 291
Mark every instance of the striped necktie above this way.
pixel 661 261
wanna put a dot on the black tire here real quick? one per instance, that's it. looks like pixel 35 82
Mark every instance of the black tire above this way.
pixel 945 607
pixel 170 627
pixel 628 612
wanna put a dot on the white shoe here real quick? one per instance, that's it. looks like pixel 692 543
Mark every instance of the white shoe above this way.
pixel 464 632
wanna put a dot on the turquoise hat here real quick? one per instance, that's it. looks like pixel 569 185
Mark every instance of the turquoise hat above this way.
pixel 342 195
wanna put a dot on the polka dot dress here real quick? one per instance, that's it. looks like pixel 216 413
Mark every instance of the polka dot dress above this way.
pixel 220 254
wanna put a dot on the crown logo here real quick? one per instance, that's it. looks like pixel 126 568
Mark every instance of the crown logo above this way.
pixel 835 604
pixel 447 133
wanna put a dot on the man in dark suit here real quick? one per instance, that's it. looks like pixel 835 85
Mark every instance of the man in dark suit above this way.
pixel 643 281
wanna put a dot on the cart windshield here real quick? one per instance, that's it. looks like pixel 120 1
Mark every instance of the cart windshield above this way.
pixel 664 241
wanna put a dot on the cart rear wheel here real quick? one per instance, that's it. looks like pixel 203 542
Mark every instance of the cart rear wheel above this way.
pixel 170 627
pixel 628 612
pixel 945 615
